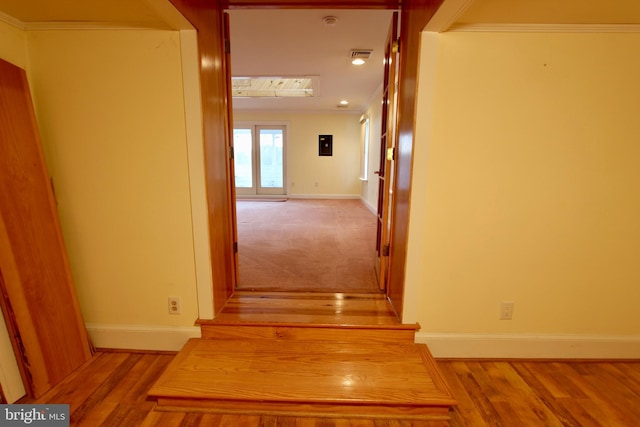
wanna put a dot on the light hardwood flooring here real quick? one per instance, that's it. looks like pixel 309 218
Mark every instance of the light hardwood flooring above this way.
pixel 111 390
pixel 320 308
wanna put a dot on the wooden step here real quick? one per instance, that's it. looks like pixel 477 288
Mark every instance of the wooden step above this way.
pixel 309 332
pixel 311 378
pixel 320 308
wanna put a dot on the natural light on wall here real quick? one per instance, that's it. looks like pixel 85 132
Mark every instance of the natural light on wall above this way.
pixel 273 87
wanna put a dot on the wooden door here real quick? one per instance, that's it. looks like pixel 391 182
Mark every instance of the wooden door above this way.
pixel 37 293
pixel 387 147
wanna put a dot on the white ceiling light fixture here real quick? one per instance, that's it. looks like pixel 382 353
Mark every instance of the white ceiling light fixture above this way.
pixel 343 104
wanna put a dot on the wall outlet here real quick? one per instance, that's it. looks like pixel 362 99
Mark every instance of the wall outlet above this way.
pixel 506 310
pixel 174 305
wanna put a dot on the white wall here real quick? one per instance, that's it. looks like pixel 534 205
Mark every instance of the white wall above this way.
pixel 528 181
pixel 369 191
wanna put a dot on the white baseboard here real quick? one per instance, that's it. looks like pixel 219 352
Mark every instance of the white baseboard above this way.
pixel 525 346
pixel 373 209
pixel 323 196
pixel 141 337
pixel 441 345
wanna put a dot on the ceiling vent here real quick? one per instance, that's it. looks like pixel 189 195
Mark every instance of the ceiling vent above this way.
pixel 360 53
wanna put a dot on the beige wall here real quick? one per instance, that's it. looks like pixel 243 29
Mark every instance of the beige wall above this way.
pixel 13 45
pixel 528 184
pixel 370 187
pixel 337 175
pixel 111 113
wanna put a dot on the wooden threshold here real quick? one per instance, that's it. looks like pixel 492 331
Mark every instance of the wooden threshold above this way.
pixel 319 308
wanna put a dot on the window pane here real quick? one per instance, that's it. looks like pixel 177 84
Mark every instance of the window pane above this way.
pixel 271 158
pixel 242 158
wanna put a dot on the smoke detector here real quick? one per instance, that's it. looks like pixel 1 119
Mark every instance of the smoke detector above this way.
pixel 330 21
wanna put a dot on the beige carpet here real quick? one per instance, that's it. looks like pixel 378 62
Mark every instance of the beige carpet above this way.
pixel 306 245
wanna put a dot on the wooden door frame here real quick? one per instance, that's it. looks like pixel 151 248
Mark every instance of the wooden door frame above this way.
pixel 387 142
pixel 207 18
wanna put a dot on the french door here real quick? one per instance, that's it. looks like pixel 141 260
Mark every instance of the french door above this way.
pixel 387 151
pixel 259 156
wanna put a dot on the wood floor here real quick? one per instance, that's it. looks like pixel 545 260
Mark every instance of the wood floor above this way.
pixel 111 390
pixel 309 308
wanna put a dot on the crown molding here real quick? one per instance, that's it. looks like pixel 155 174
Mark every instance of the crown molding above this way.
pixel 10 20
pixel 70 26
pixel 546 28
pixel 446 15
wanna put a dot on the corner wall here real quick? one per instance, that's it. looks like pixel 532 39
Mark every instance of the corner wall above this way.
pixel 530 195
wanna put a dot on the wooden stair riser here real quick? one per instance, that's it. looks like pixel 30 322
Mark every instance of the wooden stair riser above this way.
pixel 307 333
pixel 305 409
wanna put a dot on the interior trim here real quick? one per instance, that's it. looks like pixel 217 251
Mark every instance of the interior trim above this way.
pixel 530 346
pixel 546 28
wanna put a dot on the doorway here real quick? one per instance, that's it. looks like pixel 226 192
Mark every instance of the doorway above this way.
pixel 215 93
pixel 251 58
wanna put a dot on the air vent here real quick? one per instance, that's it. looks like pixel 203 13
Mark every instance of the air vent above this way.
pixel 360 53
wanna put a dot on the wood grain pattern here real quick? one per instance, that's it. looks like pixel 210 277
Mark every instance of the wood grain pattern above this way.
pixel 309 308
pixel 392 334
pixel 553 393
pixel 597 393
pixel 38 295
pixel 329 378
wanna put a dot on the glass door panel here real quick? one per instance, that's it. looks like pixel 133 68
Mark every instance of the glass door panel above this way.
pixel 243 159
pixel 271 161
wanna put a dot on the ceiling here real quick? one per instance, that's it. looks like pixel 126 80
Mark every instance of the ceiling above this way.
pixel 296 43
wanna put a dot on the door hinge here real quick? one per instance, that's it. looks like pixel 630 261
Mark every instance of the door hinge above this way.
pixel 391 154
pixel 227 46
pixel 385 250
pixel 395 46
pixel 231 152
pixel 235 247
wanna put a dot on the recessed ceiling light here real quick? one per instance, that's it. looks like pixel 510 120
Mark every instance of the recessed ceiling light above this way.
pixel 359 56
pixel 344 102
